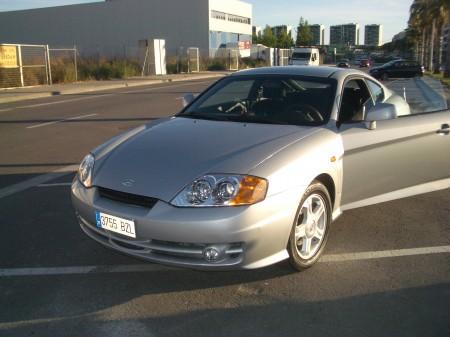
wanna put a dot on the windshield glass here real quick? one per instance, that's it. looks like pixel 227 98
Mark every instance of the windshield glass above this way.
pixel 301 56
pixel 290 100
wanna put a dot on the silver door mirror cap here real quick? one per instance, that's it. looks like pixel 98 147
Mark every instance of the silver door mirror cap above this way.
pixel 381 112
pixel 187 99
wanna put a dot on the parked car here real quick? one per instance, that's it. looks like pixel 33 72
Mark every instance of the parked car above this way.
pixel 364 63
pixel 255 169
pixel 397 69
pixel 343 64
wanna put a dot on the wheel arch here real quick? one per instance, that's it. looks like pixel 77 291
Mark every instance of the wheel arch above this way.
pixel 329 184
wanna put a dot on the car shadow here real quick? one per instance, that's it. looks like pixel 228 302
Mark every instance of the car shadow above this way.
pixel 418 311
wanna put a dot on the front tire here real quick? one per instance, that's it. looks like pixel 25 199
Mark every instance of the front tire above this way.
pixel 385 77
pixel 310 230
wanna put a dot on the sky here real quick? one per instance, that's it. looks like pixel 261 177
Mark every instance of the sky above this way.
pixel 392 14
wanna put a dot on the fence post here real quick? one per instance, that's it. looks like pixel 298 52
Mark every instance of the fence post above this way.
pixel 49 66
pixel 46 66
pixel 19 48
pixel 188 60
pixel 75 51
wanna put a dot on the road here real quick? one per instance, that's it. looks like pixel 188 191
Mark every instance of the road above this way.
pixel 386 270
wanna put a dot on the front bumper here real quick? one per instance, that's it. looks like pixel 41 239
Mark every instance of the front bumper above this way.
pixel 246 237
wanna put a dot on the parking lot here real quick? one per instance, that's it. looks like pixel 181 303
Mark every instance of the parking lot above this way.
pixel 386 270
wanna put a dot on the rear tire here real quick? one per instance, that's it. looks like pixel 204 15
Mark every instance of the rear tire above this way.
pixel 311 226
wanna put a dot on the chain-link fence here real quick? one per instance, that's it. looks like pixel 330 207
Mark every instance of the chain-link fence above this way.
pixel 193 60
pixel 28 65
pixel 24 65
pixel 233 59
pixel 63 64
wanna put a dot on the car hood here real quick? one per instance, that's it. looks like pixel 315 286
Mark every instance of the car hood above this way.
pixel 162 159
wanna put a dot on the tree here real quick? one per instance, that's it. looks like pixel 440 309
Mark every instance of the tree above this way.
pixel 304 36
pixel 284 40
pixel 426 22
pixel 267 38
pixel 255 39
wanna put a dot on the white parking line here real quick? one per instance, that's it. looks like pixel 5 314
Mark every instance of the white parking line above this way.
pixel 166 87
pixel 61 102
pixel 77 270
pixel 385 254
pixel 40 179
pixel 60 121
pixel 105 95
pixel 82 270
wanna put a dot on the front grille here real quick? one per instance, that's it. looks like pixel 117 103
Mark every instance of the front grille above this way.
pixel 127 198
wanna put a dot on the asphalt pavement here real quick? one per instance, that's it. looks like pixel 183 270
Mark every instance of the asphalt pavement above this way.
pixel 385 272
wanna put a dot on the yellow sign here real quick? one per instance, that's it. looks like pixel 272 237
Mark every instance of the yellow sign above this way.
pixel 8 57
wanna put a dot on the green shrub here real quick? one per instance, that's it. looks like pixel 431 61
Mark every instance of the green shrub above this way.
pixel 104 69
pixel 217 64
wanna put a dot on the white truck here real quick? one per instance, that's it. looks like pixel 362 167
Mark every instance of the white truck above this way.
pixel 302 56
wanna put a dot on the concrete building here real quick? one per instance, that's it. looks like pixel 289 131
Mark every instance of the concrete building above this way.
pixel 257 30
pixel 373 35
pixel 111 27
pixel 277 30
pixel 318 33
pixel 347 34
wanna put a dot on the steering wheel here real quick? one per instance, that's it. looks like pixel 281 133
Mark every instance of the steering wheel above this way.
pixel 238 108
pixel 307 112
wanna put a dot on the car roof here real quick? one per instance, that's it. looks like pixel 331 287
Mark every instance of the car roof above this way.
pixel 311 71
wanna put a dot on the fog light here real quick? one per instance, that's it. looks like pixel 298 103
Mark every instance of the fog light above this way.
pixel 211 254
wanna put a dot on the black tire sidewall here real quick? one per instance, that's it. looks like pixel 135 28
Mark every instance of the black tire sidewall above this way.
pixel 294 258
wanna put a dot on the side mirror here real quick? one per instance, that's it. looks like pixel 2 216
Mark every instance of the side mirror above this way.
pixel 380 112
pixel 187 99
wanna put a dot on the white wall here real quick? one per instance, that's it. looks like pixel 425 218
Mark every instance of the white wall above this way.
pixel 231 7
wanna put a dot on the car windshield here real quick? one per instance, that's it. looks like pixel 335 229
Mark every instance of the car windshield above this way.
pixel 389 64
pixel 288 100
pixel 301 56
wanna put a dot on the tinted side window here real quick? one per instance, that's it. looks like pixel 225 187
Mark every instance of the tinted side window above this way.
pixel 376 91
pixel 356 99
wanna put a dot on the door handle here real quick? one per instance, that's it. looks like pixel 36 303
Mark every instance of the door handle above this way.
pixel 444 130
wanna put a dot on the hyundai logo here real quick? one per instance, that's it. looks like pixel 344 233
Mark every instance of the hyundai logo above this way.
pixel 128 182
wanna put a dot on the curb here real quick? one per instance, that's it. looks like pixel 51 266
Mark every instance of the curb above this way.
pixel 16 97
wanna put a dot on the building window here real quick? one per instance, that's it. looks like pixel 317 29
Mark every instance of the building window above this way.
pixel 218 15
pixel 226 39
pixel 239 19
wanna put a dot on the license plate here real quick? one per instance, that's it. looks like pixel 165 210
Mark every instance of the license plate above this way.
pixel 115 224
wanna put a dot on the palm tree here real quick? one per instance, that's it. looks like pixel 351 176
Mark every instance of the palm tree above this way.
pixel 426 22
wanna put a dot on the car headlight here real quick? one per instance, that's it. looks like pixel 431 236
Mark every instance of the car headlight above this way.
pixel 85 170
pixel 222 190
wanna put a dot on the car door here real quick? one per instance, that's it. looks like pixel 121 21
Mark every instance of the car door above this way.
pixel 396 70
pixel 400 157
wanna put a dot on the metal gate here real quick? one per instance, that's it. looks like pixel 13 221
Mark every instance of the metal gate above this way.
pixel 283 57
pixel 193 60
pixel 233 59
pixel 63 64
pixel 24 65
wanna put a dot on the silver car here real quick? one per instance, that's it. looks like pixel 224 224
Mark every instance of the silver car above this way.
pixel 254 170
